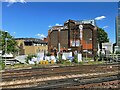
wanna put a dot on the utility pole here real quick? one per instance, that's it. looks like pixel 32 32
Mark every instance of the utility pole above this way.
pixel 59 40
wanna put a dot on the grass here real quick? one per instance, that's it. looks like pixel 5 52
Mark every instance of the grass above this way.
pixel 95 62
pixel 25 66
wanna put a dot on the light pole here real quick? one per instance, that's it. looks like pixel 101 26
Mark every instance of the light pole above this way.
pixel 59 40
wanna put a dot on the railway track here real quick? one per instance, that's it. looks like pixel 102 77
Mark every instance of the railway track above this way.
pixel 40 77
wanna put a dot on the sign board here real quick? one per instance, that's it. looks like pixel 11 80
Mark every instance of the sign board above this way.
pixel 81 29
pixel 79 57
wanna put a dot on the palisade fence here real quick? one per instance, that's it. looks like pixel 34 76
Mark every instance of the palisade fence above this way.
pixel 115 57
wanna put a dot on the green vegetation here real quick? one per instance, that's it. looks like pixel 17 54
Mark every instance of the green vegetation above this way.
pixel 102 37
pixel 97 62
pixel 2 65
pixel 29 57
pixel 75 59
pixel 11 43
pixel 61 61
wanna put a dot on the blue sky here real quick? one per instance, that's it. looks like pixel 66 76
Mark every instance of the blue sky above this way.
pixel 33 19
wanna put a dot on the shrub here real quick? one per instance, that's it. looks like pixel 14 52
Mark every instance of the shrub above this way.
pixel 65 62
pixel 81 63
pixel 2 65
pixel 29 57
pixel 75 59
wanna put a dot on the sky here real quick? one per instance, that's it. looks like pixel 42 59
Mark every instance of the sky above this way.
pixel 34 19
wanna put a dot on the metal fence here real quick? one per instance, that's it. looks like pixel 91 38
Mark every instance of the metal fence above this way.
pixel 115 57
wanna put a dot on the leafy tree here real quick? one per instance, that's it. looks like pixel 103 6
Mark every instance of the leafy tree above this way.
pixel 102 37
pixel 11 43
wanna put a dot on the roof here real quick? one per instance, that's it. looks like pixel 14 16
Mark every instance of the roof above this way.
pixel 34 40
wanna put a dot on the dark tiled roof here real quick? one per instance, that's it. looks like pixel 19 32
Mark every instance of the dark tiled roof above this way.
pixel 34 40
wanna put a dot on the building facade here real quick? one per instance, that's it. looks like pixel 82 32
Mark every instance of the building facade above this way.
pixel 117 47
pixel 73 36
pixel 118 30
pixel 31 46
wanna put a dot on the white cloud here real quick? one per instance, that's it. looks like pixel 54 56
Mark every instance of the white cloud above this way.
pixel 58 24
pixel 105 27
pixel 14 1
pixel 49 26
pixel 100 18
pixel 41 36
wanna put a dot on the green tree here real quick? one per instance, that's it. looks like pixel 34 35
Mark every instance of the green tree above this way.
pixel 102 37
pixel 11 43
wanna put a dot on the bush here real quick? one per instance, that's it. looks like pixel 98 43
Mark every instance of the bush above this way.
pixel 2 65
pixel 65 62
pixel 29 57
pixel 81 63
pixel 75 59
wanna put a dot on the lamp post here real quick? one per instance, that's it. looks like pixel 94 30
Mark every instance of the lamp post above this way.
pixel 59 40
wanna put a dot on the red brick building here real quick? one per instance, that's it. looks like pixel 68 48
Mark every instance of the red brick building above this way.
pixel 73 36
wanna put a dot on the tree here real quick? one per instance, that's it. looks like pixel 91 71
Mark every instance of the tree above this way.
pixel 11 46
pixel 102 37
